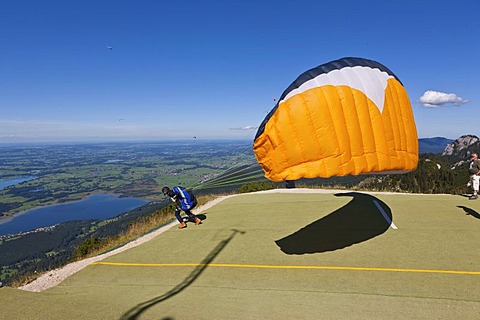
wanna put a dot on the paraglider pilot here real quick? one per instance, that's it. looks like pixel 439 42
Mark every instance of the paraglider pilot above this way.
pixel 474 171
pixel 185 201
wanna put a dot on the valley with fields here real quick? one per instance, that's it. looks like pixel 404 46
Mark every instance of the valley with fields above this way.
pixel 64 172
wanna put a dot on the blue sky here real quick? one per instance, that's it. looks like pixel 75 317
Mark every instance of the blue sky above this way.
pixel 211 69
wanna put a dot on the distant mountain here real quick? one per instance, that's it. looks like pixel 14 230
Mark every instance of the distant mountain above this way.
pixel 462 147
pixel 458 152
pixel 433 145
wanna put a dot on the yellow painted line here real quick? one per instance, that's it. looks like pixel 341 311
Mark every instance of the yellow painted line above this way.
pixel 259 266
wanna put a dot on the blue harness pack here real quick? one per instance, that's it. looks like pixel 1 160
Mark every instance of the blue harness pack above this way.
pixel 186 199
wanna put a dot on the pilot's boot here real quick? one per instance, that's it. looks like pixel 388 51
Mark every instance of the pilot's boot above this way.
pixel 182 225
pixel 197 221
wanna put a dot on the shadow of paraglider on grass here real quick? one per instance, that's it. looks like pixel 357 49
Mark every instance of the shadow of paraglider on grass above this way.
pixel 135 312
pixel 470 212
pixel 362 219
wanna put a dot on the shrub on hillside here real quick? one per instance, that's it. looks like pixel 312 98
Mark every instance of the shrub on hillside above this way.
pixel 88 246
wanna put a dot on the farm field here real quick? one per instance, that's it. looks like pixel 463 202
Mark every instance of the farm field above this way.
pixel 59 173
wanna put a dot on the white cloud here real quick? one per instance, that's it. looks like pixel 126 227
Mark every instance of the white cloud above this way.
pixel 245 128
pixel 435 99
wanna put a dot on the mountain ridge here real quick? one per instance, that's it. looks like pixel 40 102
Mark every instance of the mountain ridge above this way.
pixel 433 145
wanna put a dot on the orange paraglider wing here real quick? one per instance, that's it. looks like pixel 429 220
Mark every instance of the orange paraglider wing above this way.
pixel 345 117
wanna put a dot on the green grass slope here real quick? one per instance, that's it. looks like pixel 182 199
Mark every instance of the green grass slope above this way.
pixel 286 254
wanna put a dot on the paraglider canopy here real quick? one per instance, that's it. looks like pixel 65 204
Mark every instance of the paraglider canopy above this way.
pixel 348 116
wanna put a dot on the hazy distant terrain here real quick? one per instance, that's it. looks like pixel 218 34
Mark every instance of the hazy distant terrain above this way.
pixel 69 172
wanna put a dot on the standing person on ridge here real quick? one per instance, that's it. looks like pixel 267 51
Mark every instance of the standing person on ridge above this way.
pixel 474 171
pixel 185 201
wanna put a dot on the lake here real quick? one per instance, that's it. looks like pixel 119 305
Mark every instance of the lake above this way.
pixel 11 182
pixel 99 206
